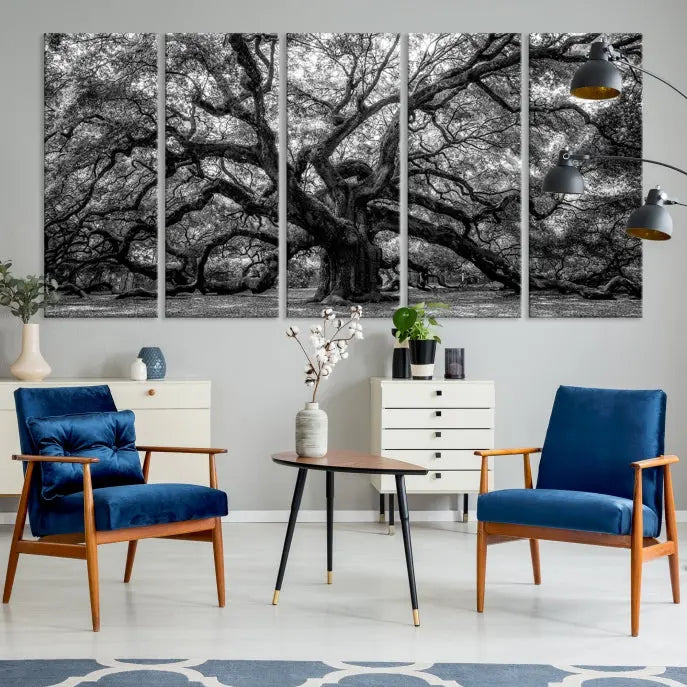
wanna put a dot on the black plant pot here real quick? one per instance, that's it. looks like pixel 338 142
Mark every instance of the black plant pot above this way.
pixel 422 353
pixel 400 364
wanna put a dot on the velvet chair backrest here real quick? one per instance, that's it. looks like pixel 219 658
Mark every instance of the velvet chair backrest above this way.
pixel 594 435
pixel 48 402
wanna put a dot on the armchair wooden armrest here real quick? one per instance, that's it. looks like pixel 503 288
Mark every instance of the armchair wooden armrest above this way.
pixel 181 449
pixel 84 460
pixel 507 451
pixel 654 462
pixel 486 454
pixel 210 452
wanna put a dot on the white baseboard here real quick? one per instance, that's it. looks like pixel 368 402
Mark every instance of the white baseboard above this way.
pixel 339 516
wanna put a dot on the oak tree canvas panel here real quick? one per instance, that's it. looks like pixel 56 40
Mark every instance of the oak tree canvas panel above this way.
pixel 464 172
pixel 342 190
pixel 100 197
pixel 222 175
pixel 582 263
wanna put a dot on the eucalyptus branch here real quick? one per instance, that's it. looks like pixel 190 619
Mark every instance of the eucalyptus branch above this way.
pixel 25 297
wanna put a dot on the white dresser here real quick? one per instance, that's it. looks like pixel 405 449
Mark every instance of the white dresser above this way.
pixel 434 423
pixel 169 412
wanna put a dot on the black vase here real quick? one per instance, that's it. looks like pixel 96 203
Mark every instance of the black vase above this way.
pixel 400 364
pixel 422 353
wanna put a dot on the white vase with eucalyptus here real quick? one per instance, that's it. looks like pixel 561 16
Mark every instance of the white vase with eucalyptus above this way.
pixel 24 298
pixel 330 342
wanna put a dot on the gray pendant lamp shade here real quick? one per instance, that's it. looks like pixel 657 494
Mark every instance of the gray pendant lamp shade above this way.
pixel 652 221
pixel 597 78
pixel 565 177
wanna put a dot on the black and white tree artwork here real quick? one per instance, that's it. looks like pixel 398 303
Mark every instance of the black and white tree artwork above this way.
pixel 342 189
pixel 582 263
pixel 464 172
pixel 222 176
pixel 100 201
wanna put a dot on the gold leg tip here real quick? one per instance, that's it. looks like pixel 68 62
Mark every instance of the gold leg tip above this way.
pixel 391 529
pixel 416 617
pixel 382 518
pixel 275 597
pixel 330 576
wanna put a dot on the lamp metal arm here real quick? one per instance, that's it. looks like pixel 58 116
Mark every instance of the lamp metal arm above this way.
pixel 587 156
pixel 620 60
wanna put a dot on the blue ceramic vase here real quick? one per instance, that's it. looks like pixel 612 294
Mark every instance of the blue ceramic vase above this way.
pixel 155 362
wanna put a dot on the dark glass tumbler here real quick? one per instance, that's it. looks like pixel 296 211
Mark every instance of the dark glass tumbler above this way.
pixel 454 363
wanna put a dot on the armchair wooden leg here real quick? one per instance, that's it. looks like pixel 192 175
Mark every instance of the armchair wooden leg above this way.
pixel 481 565
pixel 218 549
pixel 674 564
pixel 635 586
pixel 19 525
pixel 536 567
pixel 93 581
pixel 91 549
pixel 130 555
pixel 671 533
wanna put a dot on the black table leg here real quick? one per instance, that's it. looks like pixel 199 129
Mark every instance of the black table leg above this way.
pixel 465 507
pixel 392 508
pixel 295 505
pixel 330 525
pixel 382 510
pixel 405 526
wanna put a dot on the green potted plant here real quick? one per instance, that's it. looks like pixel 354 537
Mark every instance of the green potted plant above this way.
pixel 416 324
pixel 24 298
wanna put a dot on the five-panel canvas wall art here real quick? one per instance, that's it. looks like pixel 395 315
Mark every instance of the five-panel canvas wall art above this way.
pixel 373 165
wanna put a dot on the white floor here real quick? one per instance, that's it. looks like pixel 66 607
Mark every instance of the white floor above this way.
pixel 579 615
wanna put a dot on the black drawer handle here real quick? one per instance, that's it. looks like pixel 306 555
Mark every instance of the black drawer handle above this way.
pixel 437 454
pixel 437 413
pixel 437 435
pixel 437 475
pixel 439 392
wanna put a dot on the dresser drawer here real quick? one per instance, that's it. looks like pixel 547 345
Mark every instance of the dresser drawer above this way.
pixel 440 459
pixel 437 439
pixel 457 418
pixel 149 394
pixel 437 394
pixel 436 482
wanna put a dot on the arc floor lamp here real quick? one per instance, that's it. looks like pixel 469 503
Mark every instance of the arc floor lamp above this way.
pixel 599 79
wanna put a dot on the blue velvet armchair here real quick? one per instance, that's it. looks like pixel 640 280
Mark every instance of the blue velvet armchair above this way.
pixel 603 479
pixel 84 486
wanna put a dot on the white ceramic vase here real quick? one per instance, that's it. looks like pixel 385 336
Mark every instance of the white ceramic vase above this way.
pixel 139 370
pixel 30 366
pixel 311 431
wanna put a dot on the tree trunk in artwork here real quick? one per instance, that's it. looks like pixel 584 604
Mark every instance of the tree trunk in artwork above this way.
pixel 350 272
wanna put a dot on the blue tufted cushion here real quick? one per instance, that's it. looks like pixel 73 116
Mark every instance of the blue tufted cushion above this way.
pixel 110 437
pixel 133 505
pixel 594 435
pixel 568 510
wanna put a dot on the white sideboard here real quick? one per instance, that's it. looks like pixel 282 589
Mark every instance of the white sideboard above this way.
pixel 169 412
pixel 434 423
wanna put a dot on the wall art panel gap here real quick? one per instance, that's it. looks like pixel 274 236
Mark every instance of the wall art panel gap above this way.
pixel 582 264
pixel 343 172
pixel 464 172
pixel 222 177
pixel 100 199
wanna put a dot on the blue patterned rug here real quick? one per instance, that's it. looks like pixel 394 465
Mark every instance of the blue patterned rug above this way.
pixel 192 673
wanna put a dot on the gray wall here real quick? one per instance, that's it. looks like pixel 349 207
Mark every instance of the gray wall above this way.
pixel 256 372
